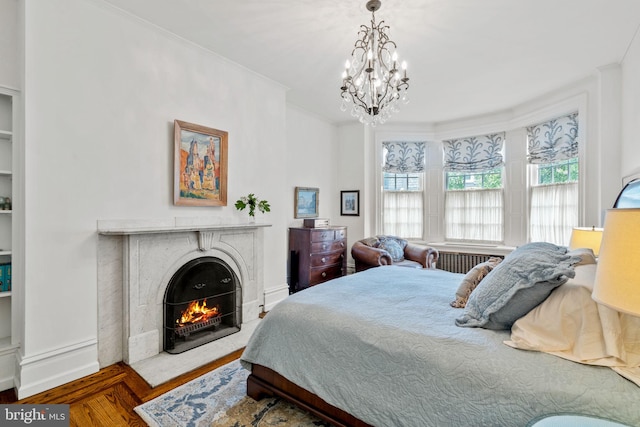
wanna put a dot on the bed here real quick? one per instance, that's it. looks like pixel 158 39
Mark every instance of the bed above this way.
pixel 384 347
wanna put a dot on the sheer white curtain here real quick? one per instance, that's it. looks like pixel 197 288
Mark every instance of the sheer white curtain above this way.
pixel 474 215
pixel 554 212
pixel 402 213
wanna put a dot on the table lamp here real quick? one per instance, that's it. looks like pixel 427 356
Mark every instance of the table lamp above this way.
pixel 617 282
pixel 586 237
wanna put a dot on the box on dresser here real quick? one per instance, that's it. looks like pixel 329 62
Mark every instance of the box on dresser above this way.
pixel 316 223
pixel 316 255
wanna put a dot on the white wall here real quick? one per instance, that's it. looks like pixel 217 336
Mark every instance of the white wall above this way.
pixel 102 91
pixel 310 162
pixel 631 109
pixel 352 175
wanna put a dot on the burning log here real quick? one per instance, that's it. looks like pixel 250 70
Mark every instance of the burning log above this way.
pixel 195 317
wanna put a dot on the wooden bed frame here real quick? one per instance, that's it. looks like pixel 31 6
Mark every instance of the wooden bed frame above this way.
pixel 263 382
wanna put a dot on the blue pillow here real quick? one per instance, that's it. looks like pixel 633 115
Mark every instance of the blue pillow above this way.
pixel 518 284
pixel 393 246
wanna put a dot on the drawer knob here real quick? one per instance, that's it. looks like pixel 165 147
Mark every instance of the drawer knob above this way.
pixel 324 274
pixel 324 246
pixel 323 259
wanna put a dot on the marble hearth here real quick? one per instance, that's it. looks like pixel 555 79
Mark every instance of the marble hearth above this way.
pixel 137 260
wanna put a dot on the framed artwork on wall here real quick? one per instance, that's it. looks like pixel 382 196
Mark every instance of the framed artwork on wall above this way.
pixel 350 202
pixel 200 176
pixel 306 202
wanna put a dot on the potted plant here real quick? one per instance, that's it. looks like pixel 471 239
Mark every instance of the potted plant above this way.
pixel 252 202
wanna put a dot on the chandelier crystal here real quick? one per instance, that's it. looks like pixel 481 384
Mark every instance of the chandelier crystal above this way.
pixel 372 84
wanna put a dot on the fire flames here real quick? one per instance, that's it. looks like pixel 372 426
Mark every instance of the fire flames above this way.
pixel 196 313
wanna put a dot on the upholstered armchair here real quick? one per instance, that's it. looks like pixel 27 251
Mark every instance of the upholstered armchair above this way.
pixel 391 250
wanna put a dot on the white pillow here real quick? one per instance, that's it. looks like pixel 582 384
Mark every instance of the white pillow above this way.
pixel 571 325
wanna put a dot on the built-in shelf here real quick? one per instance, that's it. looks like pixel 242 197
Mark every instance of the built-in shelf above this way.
pixel 8 325
pixel 6 344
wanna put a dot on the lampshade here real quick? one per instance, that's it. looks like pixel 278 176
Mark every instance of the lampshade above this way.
pixel 586 237
pixel 617 283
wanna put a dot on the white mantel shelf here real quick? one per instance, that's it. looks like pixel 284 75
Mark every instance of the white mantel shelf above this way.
pixel 154 229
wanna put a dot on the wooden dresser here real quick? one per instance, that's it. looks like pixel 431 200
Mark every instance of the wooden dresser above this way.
pixel 316 255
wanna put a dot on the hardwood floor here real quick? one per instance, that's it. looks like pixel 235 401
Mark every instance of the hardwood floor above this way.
pixel 107 398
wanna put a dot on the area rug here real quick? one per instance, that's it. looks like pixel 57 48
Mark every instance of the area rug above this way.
pixel 219 398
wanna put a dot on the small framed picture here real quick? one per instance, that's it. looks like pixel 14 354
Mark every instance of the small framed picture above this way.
pixel 350 202
pixel 306 202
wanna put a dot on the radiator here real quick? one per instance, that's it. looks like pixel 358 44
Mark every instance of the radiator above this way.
pixel 456 262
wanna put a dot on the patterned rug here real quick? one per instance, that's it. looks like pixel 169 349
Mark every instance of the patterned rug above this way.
pixel 219 398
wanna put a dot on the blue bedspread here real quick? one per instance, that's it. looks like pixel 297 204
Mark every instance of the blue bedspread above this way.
pixel 383 346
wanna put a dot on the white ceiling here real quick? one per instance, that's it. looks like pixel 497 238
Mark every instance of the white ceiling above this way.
pixel 466 57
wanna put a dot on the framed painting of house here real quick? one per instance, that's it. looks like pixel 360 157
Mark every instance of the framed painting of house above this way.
pixel 200 177
pixel 306 202
pixel 350 203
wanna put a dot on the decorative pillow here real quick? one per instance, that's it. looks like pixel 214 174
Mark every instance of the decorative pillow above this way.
pixel 371 241
pixel 586 256
pixel 519 283
pixel 471 280
pixel 393 246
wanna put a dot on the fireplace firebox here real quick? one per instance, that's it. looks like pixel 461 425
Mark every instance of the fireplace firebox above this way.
pixel 202 303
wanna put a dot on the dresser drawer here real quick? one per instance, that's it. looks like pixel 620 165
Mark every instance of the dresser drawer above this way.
pixel 321 274
pixel 328 246
pixel 322 235
pixel 318 260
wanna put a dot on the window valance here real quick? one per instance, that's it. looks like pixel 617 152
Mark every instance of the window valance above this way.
pixel 554 140
pixel 403 157
pixel 473 154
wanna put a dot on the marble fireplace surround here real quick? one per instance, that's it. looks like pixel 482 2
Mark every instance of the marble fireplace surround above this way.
pixel 150 254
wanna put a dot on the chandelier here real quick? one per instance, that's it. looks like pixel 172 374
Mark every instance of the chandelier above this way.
pixel 372 84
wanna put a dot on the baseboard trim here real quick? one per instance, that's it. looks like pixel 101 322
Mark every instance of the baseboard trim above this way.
pixel 44 371
pixel 273 296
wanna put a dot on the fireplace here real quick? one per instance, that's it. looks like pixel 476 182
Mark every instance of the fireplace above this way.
pixel 202 303
pixel 139 261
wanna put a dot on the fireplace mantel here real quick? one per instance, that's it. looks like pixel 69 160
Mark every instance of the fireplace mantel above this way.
pixel 138 258
pixel 125 230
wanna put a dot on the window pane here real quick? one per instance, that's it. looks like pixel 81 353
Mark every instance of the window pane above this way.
pixel 559 172
pixel 455 182
pixel 573 172
pixel 478 180
pixel 545 175
pixel 402 181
